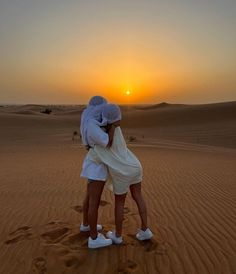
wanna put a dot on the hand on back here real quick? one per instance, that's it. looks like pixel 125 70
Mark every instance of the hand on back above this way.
pixel 116 124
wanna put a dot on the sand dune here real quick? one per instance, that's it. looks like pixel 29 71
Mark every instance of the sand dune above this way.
pixel 172 115
pixel 211 124
pixel 189 187
pixel 38 109
pixel 191 201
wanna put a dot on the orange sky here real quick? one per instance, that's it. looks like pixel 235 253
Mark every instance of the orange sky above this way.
pixel 61 52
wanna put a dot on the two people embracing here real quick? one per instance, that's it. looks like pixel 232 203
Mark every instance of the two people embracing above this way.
pixel 109 159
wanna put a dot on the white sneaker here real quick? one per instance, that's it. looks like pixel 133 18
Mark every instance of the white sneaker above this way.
pixel 99 242
pixel 112 235
pixel 144 235
pixel 85 228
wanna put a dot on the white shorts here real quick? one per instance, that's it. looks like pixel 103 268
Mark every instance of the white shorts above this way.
pixel 93 170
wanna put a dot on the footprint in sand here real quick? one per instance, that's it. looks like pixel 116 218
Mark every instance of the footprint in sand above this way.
pixel 69 253
pixel 76 241
pixel 126 210
pixel 72 261
pixel 103 203
pixel 78 208
pixel 22 233
pixel 149 245
pixel 55 235
pixel 127 267
pixel 39 265
pixel 56 223
pixel 153 246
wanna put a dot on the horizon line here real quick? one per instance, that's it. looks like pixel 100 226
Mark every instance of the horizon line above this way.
pixel 121 104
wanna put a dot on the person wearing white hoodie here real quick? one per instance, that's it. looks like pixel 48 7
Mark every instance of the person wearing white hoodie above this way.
pixel 96 173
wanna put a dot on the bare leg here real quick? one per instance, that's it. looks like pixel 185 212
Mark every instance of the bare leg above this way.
pixel 138 198
pixel 85 209
pixel 95 189
pixel 119 213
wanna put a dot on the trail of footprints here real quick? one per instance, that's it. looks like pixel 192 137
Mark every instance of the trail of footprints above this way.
pixel 63 240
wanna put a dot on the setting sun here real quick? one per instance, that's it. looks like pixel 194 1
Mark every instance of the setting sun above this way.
pixel 127 92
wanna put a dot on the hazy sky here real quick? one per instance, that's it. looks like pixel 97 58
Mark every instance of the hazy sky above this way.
pixel 66 51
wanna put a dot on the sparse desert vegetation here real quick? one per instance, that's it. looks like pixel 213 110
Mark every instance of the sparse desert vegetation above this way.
pixel 46 111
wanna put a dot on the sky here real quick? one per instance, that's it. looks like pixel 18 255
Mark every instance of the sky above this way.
pixel 129 51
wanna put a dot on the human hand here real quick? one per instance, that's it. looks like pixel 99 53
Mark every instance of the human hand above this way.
pixel 116 124
pixel 87 147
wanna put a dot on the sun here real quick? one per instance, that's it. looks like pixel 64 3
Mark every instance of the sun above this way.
pixel 128 92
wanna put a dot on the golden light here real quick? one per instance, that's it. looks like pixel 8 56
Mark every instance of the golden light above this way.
pixel 128 92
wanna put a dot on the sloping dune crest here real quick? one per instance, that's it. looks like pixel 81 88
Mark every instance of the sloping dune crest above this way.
pixel 168 114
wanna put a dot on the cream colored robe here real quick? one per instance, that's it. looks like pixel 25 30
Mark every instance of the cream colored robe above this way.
pixel 124 167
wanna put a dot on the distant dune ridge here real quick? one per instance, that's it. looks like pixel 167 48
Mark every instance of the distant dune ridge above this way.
pixel 188 153
pixel 168 114
pixel 209 124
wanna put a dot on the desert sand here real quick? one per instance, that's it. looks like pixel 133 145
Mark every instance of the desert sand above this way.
pixel 188 153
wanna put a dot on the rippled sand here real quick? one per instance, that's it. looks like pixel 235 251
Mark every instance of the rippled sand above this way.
pixel 189 187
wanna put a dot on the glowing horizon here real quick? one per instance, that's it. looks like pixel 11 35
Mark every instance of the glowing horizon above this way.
pixel 57 52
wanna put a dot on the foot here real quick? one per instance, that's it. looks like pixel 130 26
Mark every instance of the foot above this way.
pixel 99 242
pixel 112 235
pixel 85 228
pixel 144 235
